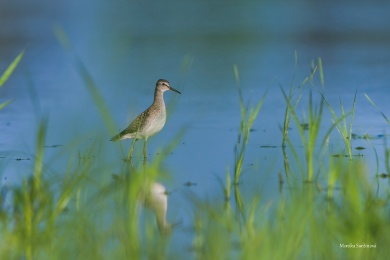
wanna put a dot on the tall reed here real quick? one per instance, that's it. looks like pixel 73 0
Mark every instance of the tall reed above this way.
pixel 248 117
pixel 343 127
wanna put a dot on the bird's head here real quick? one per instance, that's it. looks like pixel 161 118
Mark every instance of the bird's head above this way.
pixel 163 85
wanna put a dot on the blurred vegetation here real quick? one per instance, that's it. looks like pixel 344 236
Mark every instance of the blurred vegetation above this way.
pixel 7 73
pixel 77 215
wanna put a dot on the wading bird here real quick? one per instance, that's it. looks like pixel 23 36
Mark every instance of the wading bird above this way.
pixel 149 122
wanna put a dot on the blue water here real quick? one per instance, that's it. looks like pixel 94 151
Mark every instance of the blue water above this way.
pixel 127 46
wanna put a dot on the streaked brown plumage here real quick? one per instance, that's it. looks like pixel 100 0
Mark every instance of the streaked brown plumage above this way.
pixel 149 122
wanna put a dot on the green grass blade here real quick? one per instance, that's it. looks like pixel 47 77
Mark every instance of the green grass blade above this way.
pixel 11 68
pixel 38 167
pixel 96 96
pixel 236 74
pixel 352 115
pixel 322 79
pixel 88 81
pixel 374 105
pixel 2 105
pixel 239 202
pixel 327 134
pixel 62 37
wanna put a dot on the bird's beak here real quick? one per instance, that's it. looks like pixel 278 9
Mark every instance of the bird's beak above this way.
pixel 177 91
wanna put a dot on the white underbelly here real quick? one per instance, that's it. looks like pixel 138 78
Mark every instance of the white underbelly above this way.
pixel 155 126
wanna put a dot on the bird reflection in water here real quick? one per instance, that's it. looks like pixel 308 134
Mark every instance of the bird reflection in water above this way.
pixel 154 196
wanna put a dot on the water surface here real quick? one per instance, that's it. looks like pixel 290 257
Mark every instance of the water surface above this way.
pixel 127 46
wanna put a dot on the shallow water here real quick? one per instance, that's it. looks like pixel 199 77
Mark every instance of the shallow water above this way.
pixel 126 47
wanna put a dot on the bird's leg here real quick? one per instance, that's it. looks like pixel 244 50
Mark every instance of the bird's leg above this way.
pixel 145 148
pixel 130 155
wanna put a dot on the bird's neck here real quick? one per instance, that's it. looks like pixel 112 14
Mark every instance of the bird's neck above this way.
pixel 158 98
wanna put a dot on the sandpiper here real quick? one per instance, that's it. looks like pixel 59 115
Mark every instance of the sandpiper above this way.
pixel 149 122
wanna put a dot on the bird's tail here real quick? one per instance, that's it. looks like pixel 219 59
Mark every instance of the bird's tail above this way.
pixel 116 138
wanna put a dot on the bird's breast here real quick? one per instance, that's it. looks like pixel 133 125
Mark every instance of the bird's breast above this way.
pixel 156 123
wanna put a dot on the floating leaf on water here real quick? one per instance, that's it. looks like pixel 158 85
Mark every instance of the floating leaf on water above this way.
pixel 367 136
pixel 360 148
pixel 268 146
pixel 305 126
pixel 189 184
pixel 53 146
pixel 340 155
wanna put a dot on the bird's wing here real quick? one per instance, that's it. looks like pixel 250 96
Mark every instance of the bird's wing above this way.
pixel 137 124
